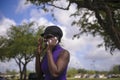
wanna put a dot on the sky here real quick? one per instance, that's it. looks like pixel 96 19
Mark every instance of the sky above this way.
pixel 84 52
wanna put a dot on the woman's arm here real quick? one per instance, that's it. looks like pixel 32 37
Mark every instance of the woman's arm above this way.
pixel 38 67
pixel 57 68
pixel 37 60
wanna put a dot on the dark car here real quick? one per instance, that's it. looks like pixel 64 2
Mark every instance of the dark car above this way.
pixel 2 78
pixel 32 76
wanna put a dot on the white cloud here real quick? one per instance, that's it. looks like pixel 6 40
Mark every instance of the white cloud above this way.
pixel 41 21
pixel 38 16
pixel 11 65
pixel 100 56
pixel 84 50
pixel 74 62
pixel 37 13
pixel 5 24
pixel 63 16
pixel 22 6
pixel 61 3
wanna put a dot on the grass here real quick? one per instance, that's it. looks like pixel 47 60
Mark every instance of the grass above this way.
pixel 95 79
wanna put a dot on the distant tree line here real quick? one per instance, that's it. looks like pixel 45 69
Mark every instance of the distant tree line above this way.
pixel 73 71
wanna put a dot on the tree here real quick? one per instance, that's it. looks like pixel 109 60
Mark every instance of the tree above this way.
pixel 115 69
pixel 106 22
pixel 13 72
pixel 83 71
pixel 3 41
pixel 72 72
pixel 20 45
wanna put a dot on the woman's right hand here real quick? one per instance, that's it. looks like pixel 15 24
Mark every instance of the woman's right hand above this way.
pixel 39 49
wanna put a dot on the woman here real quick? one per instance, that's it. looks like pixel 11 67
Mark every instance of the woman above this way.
pixel 54 64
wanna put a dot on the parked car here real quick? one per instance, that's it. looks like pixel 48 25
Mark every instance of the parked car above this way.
pixel 32 76
pixel 2 78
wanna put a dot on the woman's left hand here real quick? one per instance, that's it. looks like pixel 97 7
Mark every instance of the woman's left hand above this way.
pixel 51 43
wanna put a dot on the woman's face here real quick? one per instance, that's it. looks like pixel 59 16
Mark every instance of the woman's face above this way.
pixel 47 37
pixel 50 39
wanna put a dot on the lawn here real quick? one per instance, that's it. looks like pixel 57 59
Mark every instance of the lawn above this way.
pixel 95 79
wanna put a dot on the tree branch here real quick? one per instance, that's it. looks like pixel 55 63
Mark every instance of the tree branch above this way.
pixel 113 31
pixel 67 8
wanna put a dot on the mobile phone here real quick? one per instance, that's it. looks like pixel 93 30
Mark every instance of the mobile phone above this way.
pixel 57 40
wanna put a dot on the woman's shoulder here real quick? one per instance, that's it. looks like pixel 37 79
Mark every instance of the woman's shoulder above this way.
pixel 65 53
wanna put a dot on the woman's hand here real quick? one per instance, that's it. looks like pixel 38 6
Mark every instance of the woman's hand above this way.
pixel 51 43
pixel 40 42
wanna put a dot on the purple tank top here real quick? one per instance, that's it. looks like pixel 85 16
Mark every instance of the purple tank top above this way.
pixel 45 69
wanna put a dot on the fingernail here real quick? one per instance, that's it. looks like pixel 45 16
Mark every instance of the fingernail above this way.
pixel 47 43
pixel 50 41
pixel 55 37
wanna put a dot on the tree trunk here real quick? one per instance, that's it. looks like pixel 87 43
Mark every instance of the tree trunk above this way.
pixel 21 75
pixel 25 71
pixel 23 66
pixel 18 61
